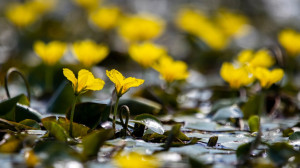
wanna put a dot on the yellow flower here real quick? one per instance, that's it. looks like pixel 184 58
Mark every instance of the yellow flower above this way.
pixel 89 53
pixel 236 77
pixel 261 58
pixel 50 53
pixel 140 28
pixel 105 17
pixel 146 53
pixel 290 41
pixel 122 84
pixel 86 81
pixel 136 160
pixel 171 70
pixel 21 15
pixel 196 23
pixel 267 77
pixel 232 24
pixel 88 4
pixel 41 6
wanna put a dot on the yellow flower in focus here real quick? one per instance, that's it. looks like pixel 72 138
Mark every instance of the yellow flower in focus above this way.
pixel 171 70
pixel 140 28
pixel 122 84
pixel 236 77
pixel 50 53
pixel 88 4
pixel 232 24
pixel 146 53
pixel 89 53
pixel 86 81
pixel 105 17
pixel 136 160
pixel 261 58
pixel 21 15
pixel 290 41
pixel 268 77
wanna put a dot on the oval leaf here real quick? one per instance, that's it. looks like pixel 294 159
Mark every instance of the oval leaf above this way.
pixel 228 112
pixel 149 121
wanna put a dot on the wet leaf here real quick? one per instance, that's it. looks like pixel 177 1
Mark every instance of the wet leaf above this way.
pixel 295 136
pixel 150 122
pixel 79 130
pixel 140 105
pixel 228 112
pixel 56 130
pixel 281 152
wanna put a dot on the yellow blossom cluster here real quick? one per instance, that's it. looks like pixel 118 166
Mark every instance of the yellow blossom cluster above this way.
pixel 249 66
pixel 290 41
pixel 105 18
pixel 87 52
pixel 216 32
pixel 24 14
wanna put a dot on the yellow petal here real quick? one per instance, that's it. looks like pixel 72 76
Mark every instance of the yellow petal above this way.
pixel 116 77
pixel 70 76
pixel 83 76
pixel 131 82
pixel 94 84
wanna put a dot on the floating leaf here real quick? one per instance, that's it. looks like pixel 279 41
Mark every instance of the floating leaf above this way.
pixel 79 130
pixel 11 144
pixel 62 99
pixel 150 122
pixel 8 106
pixel 254 123
pixel 93 141
pixel 228 112
pixel 14 126
pixel 281 152
pixel 295 136
pixel 30 123
pixel 56 130
pixel 90 113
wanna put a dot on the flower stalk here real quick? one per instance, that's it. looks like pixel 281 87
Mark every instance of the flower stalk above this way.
pixel 72 116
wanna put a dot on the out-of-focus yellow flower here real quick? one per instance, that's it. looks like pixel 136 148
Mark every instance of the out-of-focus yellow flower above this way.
pixel 268 77
pixel 136 160
pixel 41 6
pixel 232 24
pixel 261 58
pixel 122 84
pixel 146 53
pixel 171 70
pixel 105 17
pixel 86 81
pixel 50 53
pixel 88 5
pixel 236 77
pixel 196 23
pixel 89 52
pixel 290 41
pixel 140 28
pixel 21 15
pixel 31 159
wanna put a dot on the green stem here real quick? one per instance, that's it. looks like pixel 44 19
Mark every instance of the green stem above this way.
pixel 72 116
pixel 115 113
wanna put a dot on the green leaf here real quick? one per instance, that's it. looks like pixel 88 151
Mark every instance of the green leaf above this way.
pixel 14 126
pixel 23 112
pixel 281 152
pixel 79 130
pixel 93 141
pixel 172 136
pixel 243 150
pixel 56 130
pixel 8 107
pixel 62 99
pixel 228 112
pixel 140 105
pixel 90 113
pixel 11 144
pixel 149 121
pixel 30 123
pixel 295 136
pixel 254 123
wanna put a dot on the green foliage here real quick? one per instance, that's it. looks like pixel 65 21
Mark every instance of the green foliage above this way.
pixel 254 123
